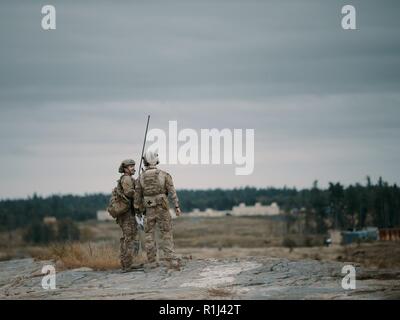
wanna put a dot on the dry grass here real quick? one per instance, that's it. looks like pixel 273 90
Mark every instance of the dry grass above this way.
pixel 379 254
pixel 100 256
pixel 245 232
pixel 236 237
pixel 219 292
pixel 97 256
pixel 6 255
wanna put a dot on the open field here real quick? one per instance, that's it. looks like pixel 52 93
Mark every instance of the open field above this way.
pixel 247 232
pixel 202 238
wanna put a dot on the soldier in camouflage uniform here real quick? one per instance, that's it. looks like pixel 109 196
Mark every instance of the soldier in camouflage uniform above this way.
pixel 152 191
pixel 127 221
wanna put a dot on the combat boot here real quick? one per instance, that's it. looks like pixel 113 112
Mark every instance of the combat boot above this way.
pixel 134 267
pixel 151 265
pixel 173 264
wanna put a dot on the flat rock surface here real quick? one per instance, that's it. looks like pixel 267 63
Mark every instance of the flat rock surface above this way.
pixel 245 278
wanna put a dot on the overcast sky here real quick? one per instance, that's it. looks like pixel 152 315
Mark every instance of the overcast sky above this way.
pixel 324 102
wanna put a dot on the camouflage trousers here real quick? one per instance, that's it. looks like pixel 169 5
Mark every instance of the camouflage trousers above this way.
pixel 128 240
pixel 162 217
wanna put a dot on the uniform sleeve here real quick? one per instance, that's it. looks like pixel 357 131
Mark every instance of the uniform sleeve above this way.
pixel 138 198
pixel 128 186
pixel 169 185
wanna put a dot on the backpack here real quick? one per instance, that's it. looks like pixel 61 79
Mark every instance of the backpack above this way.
pixel 119 203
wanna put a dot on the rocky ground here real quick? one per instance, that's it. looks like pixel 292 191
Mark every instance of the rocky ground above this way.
pixel 230 278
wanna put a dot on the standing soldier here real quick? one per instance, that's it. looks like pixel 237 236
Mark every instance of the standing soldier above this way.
pixel 127 220
pixel 152 191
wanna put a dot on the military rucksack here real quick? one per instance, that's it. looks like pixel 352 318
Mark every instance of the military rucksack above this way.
pixel 119 203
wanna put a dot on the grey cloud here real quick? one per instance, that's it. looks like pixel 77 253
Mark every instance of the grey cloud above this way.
pixel 190 50
pixel 324 102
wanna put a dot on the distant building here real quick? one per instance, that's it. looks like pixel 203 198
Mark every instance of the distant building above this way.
pixel 240 210
pixel 103 215
pixel 49 220
pixel 368 234
pixel 389 234
pixel 257 210
pixel 207 213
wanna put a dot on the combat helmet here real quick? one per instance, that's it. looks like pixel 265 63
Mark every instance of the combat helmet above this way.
pixel 125 163
pixel 151 158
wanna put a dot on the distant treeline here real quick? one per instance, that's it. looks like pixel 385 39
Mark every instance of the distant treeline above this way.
pixel 23 212
pixel 354 206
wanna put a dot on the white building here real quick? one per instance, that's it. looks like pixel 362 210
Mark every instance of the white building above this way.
pixel 49 220
pixel 208 213
pixel 240 210
pixel 104 216
pixel 257 210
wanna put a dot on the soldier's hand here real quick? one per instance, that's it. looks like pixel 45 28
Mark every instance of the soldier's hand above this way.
pixel 178 211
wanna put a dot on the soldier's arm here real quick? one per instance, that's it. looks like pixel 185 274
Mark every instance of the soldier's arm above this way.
pixel 128 187
pixel 138 198
pixel 171 190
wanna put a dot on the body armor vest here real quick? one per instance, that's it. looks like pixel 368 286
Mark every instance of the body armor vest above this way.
pixel 152 182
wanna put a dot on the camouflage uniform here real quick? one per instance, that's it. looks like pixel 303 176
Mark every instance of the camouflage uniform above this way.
pixel 128 225
pixel 152 192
